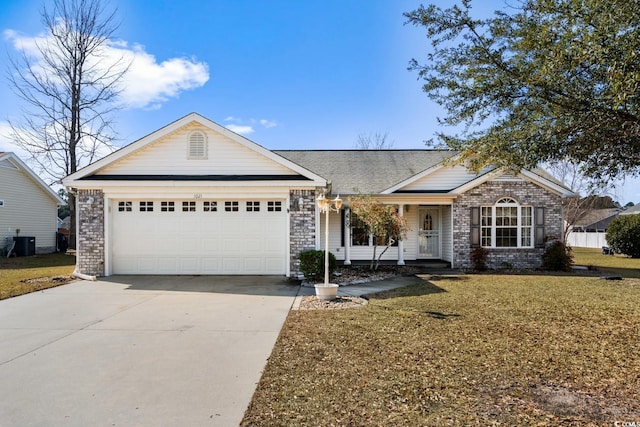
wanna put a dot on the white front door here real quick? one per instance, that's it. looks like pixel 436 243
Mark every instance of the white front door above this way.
pixel 429 234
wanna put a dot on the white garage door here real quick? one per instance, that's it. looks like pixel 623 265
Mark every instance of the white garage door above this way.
pixel 198 237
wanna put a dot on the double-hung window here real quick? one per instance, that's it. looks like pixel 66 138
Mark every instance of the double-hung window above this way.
pixel 506 224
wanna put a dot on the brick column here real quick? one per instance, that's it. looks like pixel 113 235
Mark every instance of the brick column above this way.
pixel 90 250
pixel 302 233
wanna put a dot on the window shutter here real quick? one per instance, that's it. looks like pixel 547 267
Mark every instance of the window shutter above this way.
pixel 539 229
pixel 475 227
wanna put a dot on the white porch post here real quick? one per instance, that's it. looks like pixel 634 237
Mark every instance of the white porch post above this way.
pixel 401 242
pixel 347 236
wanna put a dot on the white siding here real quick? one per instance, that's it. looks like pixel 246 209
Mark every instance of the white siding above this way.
pixel 26 207
pixel 446 178
pixel 335 234
pixel 168 155
pixel 411 242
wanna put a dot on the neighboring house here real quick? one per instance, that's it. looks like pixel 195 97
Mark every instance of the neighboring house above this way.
pixel 633 210
pixel 196 198
pixel 590 231
pixel 26 204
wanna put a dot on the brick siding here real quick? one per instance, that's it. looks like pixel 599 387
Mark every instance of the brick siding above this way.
pixel 488 194
pixel 90 232
pixel 302 232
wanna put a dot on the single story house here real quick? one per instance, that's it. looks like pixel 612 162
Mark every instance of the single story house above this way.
pixel 195 198
pixel 28 206
pixel 633 210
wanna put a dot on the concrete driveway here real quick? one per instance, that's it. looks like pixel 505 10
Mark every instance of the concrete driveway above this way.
pixel 138 351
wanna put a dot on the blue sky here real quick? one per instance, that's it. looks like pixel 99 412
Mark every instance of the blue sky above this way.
pixel 286 74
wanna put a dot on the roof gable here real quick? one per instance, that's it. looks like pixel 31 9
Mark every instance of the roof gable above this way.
pixel 439 178
pixel 164 153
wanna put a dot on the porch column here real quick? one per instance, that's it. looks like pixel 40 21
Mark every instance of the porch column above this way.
pixel 347 236
pixel 401 242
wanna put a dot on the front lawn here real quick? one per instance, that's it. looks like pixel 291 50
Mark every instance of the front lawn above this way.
pixel 486 349
pixel 28 274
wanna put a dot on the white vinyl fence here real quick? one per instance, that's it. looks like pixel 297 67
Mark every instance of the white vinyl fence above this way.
pixel 587 239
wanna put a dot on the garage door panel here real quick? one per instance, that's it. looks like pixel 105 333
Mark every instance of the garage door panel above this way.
pixel 201 242
pixel 189 265
pixel 232 265
pixel 167 265
pixel 211 265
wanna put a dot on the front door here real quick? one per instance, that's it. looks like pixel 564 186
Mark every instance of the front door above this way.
pixel 429 234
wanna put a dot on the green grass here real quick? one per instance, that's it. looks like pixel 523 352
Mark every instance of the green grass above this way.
pixel 17 274
pixel 484 349
pixel 620 264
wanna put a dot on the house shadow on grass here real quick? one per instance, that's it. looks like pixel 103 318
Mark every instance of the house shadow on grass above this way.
pixel 419 288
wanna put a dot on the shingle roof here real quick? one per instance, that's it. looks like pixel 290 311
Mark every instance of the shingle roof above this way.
pixel 365 171
pixel 596 216
pixel 633 210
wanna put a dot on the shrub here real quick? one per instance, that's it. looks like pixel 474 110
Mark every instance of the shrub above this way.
pixel 479 258
pixel 557 256
pixel 623 235
pixel 312 264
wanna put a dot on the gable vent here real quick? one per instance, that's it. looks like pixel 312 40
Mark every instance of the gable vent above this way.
pixel 197 145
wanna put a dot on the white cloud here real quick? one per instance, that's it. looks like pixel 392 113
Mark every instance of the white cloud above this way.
pixel 148 83
pixel 268 123
pixel 239 125
pixel 240 129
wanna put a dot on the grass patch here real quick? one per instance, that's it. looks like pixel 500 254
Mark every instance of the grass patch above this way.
pixel 473 350
pixel 620 264
pixel 22 275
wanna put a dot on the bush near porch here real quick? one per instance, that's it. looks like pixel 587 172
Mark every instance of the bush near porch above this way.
pixel 490 349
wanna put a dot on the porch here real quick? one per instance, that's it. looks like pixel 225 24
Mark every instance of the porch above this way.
pixel 429 240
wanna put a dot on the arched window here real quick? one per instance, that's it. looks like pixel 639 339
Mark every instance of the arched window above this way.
pixel 197 145
pixel 506 224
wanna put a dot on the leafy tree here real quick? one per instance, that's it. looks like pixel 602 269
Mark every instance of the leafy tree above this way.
pixel 69 87
pixel 623 235
pixel 383 222
pixel 546 80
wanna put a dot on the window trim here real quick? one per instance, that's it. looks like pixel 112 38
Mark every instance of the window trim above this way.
pixel 488 224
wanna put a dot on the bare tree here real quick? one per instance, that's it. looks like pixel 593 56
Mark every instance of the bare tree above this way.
pixel 374 141
pixel 70 86
pixel 590 194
